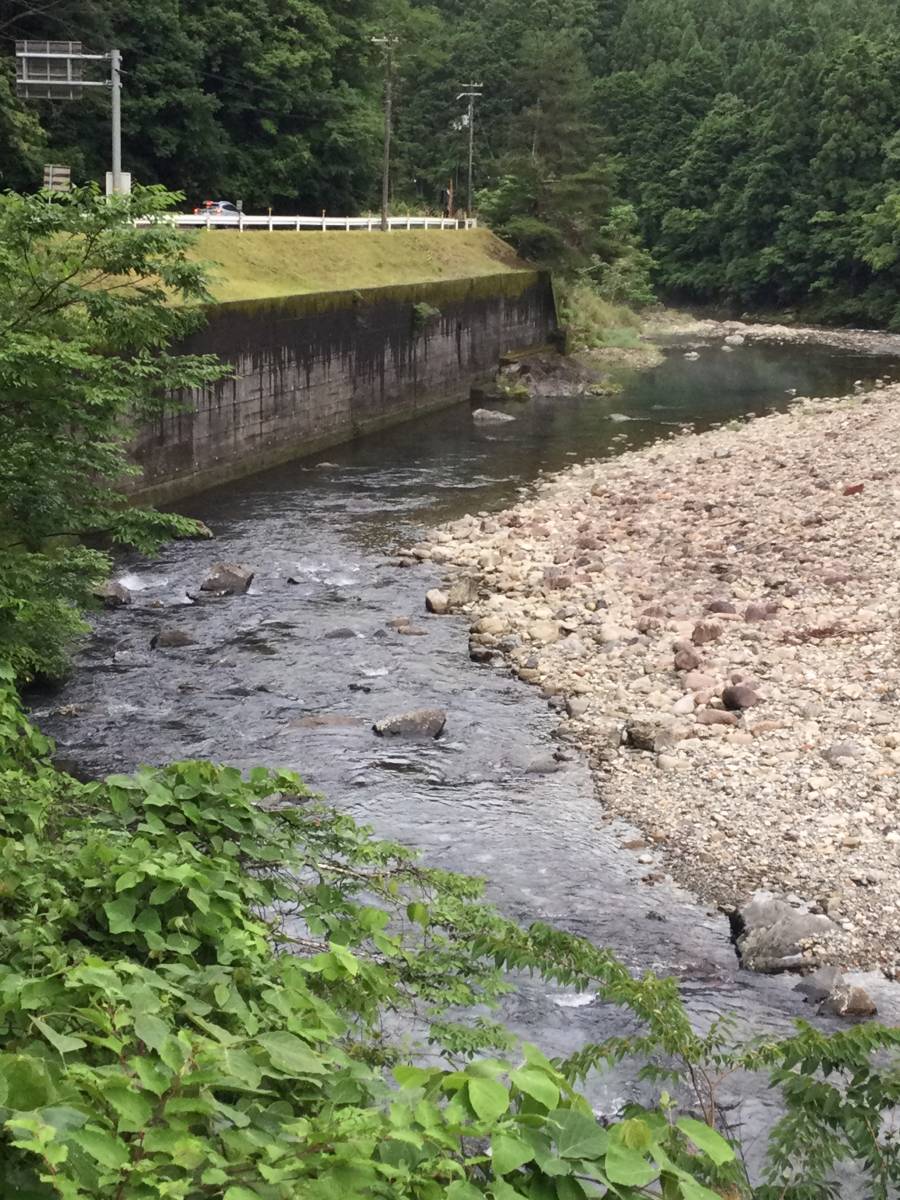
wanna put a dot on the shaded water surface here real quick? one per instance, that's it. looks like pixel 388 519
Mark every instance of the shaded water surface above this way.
pixel 267 662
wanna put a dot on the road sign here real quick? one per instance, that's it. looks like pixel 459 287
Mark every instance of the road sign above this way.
pixel 57 178
pixel 49 70
pixel 124 183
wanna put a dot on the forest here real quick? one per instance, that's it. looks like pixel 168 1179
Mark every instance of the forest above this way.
pixel 750 146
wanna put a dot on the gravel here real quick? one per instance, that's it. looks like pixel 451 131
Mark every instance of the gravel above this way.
pixel 762 560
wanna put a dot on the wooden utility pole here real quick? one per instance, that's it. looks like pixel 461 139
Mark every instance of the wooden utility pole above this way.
pixel 387 44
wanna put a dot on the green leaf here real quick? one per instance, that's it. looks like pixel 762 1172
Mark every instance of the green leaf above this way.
pixel 107 1150
pixel 461 1190
pixel 120 914
pixel 535 1083
pixel 134 1109
pixel 150 1030
pixel 626 1166
pixel 62 1042
pixel 707 1139
pixel 488 1098
pixel 508 1153
pixel 289 1054
pixel 579 1136
pixel 412 1077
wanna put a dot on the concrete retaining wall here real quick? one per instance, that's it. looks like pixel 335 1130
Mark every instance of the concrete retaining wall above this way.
pixel 314 370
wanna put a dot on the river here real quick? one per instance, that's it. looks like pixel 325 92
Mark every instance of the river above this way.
pixel 268 665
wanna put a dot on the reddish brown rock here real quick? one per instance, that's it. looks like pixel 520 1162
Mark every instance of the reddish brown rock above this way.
pixel 687 660
pixel 757 612
pixel 739 696
pixel 706 631
pixel 716 716
pixel 854 489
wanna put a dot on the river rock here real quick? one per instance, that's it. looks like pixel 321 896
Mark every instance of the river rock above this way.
pixel 699 681
pixel 687 660
pixel 544 632
pixel 649 732
pixel 706 631
pixel 849 1001
pixel 463 591
pixel 577 706
pixel 227 579
pixel 817 986
pixel 774 935
pixel 757 612
pixel 839 752
pixel 437 602
pixel 420 722
pixel 735 339
pixel 327 721
pixel 490 416
pixel 716 716
pixel 721 606
pixel 113 594
pixel 739 696
pixel 166 638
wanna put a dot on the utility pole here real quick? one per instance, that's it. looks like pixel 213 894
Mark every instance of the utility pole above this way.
pixel 387 44
pixel 474 92
pixel 115 81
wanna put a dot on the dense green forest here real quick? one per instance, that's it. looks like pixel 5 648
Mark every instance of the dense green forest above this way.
pixel 756 141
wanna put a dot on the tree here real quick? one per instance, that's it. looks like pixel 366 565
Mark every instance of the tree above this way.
pixel 90 306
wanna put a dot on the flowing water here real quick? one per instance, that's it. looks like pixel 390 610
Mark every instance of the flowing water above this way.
pixel 293 674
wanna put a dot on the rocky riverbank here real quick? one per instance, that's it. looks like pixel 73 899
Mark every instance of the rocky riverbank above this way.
pixel 730 334
pixel 716 616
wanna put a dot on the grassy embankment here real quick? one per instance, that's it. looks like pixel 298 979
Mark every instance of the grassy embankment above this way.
pixel 259 264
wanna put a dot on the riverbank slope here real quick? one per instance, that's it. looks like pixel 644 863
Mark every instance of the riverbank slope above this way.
pixel 727 604
pixel 259 264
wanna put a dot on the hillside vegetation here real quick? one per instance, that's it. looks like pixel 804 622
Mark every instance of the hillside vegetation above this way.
pixel 251 266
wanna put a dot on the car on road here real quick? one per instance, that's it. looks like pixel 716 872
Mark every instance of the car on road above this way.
pixel 218 208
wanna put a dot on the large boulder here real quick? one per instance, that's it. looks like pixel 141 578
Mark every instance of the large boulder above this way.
pixel 437 602
pixel 113 594
pixel 420 722
pixel 227 579
pixel 170 638
pixel 774 936
pixel 649 732
pixel 490 416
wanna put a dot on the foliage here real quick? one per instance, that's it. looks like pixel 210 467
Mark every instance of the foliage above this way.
pixel 209 985
pixel 197 975
pixel 423 314
pixel 593 322
pixel 89 304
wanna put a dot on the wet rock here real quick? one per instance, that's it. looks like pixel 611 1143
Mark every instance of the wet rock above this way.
pixel 820 984
pixel 398 623
pixel 113 594
pixel 437 602
pixel 227 579
pixel 849 1001
pixel 687 660
pixel 421 722
pixel 739 696
pixel 411 631
pixel 480 653
pixel 543 764
pixel 774 936
pixel 166 638
pixel 735 339
pixel 705 632
pixel 342 634
pixel 490 416
pixel 328 721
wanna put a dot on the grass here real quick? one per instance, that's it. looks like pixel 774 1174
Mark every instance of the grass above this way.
pixel 595 323
pixel 259 264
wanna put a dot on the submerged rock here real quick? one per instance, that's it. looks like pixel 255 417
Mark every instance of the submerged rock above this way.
pixel 228 579
pixel 168 638
pixel 490 416
pixel 420 722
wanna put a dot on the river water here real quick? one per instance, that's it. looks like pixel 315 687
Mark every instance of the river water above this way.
pixel 268 665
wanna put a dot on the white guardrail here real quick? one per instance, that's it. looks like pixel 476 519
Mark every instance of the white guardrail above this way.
pixel 242 222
